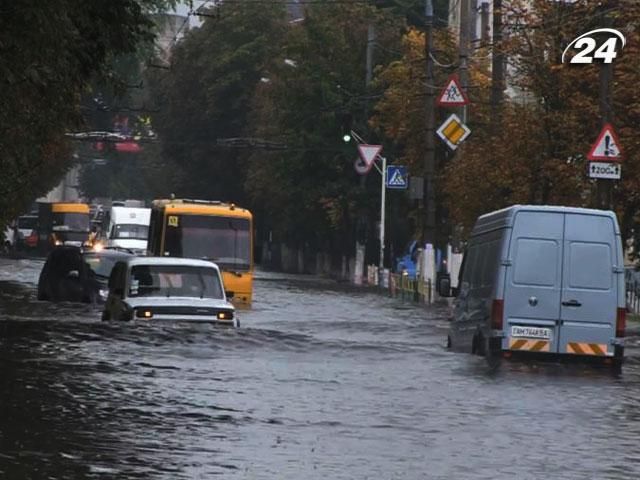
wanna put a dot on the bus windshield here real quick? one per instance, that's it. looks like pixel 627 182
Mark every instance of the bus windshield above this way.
pixel 174 281
pixel 71 222
pixel 224 240
pixel 130 232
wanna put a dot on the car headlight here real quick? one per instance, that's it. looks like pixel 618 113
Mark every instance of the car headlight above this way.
pixel 144 313
pixel 225 315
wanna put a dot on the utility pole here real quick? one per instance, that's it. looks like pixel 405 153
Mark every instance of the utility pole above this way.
pixel 429 231
pixel 497 66
pixel 484 24
pixel 371 40
pixel 604 187
pixel 463 51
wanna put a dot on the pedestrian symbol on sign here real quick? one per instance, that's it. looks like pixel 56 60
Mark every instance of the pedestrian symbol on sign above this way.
pixel 452 94
pixel 397 177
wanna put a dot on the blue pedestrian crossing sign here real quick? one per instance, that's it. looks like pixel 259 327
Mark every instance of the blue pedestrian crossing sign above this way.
pixel 397 177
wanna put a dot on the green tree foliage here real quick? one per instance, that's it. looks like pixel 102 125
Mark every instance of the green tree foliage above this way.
pixel 205 98
pixel 310 190
pixel 49 53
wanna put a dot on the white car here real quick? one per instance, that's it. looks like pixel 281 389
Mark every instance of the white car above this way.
pixel 162 288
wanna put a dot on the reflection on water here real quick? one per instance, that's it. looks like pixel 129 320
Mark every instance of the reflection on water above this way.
pixel 322 381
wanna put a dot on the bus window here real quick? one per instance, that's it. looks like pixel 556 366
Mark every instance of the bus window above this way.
pixel 224 240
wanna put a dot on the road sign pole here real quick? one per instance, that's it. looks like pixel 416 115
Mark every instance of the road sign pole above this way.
pixel 383 194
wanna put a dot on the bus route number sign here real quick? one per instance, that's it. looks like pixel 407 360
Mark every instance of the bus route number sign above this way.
pixel 172 221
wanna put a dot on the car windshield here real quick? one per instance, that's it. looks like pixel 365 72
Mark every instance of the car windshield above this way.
pixel 174 281
pixel 101 265
pixel 73 222
pixel 130 232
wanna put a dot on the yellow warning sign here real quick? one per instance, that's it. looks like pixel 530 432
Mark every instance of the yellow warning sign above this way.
pixel 453 131
pixel 579 348
pixel 172 221
pixel 522 344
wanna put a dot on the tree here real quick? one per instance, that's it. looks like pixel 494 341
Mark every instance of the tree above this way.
pixel 49 54
pixel 311 193
pixel 537 153
pixel 205 98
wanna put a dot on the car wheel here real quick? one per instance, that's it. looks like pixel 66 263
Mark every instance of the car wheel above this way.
pixel 91 298
pixel 126 316
pixel 42 296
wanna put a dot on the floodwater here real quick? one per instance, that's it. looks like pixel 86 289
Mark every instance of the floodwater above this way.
pixel 322 381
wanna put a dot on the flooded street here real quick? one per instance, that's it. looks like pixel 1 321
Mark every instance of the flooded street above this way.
pixel 322 381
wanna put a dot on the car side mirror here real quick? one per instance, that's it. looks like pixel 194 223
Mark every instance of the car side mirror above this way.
pixel 229 294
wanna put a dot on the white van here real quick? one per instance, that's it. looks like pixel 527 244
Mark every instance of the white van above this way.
pixel 542 279
pixel 128 228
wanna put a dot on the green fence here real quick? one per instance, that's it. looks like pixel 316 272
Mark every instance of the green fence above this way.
pixel 401 286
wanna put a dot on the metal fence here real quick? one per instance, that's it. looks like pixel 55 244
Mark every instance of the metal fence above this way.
pixel 401 286
pixel 632 289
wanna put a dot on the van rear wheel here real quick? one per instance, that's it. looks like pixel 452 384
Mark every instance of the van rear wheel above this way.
pixel 618 359
pixel 478 345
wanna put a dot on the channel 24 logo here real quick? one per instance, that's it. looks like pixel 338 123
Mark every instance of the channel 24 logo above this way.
pixel 601 45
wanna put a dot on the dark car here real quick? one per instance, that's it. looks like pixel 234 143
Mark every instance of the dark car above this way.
pixel 75 275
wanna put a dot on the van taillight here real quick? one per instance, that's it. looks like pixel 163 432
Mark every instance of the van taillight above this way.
pixel 497 312
pixel 621 322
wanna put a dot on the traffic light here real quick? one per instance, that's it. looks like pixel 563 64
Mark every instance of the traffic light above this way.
pixel 346 122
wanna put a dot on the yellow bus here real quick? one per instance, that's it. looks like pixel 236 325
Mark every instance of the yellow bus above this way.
pixel 215 231
pixel 63 223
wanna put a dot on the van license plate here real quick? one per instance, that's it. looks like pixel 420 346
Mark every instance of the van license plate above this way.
pixel 531 332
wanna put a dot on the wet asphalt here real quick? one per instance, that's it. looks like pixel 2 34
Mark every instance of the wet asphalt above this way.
pixel 322 381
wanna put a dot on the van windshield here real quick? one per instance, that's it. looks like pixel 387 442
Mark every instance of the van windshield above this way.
pixel 130 232
pixel 174 281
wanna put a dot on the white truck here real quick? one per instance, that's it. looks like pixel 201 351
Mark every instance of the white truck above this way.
pixel 127 228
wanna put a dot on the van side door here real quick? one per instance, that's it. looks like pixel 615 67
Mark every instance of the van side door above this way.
pixel 533 281
pixel 589 287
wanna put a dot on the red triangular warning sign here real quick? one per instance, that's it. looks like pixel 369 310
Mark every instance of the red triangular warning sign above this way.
pixel 452 94
pixel 607 146
pixel 368 153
